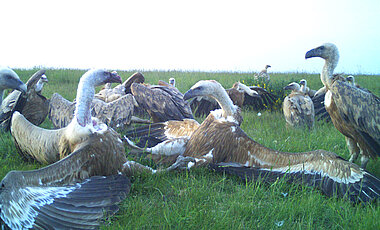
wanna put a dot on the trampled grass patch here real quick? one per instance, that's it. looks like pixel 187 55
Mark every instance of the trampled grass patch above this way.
pixel 201 199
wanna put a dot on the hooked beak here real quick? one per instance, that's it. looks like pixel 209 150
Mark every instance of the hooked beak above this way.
pixel 190 94
pixel 313 53
pixel 114 78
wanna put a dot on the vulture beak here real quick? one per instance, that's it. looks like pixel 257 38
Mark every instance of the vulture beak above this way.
pixel 317 52
pixel 114 78
pixel 288 87
pixel 191 93
pixel 21 87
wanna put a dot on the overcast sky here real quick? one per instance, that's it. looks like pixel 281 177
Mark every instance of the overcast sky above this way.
pixel 189 35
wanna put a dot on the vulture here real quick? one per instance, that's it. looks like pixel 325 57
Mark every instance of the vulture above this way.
pixel 306 90
pixel 163 102
pixel 78 189
pixel 33 105
pixel 241 95
pixel 114 107
pixel 9 80
pixel 219 140
pixel 263 74
pixel 48 146
pixel 354 112
pixel 298 107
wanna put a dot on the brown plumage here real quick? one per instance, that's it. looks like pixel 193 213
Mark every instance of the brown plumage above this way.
pixel 163 103
pixel 220 139
pixel 48 146
pixel 82 185
pixel 353 111
pixel 298 107
pixel 116 114
pixel 263 74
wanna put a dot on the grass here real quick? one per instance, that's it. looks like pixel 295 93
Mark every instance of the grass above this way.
pixel 200 199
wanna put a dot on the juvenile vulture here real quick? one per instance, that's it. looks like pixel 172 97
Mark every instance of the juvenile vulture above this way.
pixel 162 102
pixel 219 139
pixel 298 107
pixel 353 111
pixel 263 74
pixel 9 80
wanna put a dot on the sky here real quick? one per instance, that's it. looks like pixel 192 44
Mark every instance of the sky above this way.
pixel 238 36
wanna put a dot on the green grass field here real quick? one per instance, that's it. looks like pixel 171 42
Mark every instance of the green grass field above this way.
pixel 201 199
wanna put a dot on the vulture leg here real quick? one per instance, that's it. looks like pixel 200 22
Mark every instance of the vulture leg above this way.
pixel 353 148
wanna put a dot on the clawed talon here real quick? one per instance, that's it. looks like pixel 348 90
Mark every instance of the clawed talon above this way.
pixel 182 163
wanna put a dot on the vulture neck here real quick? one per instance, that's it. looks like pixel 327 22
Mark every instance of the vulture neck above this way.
pixel 85 95
pixel 328 70
pixel 225 102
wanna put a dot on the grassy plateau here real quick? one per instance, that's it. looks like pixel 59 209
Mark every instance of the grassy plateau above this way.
pixel 202 199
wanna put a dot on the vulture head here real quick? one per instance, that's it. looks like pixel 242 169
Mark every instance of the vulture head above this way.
pixel 205 88
pixel 172 81
pixel 10 80
pixel 326 51
pixel 294 87
pixel 267 66
pixel 303 82
pixel 350 79
pixel 40 83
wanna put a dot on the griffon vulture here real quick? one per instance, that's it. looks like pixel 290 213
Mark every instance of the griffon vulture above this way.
pixel 353 111
pixel 220 139
pixel 263 74
pixel 9 80
pixel 33 105
pixel 298 107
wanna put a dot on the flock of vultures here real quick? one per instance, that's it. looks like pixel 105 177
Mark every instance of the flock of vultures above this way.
pixel 87 172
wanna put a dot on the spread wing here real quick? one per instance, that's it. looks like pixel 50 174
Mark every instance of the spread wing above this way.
pixel 162 103
pixel 116 114
pixel 78 206
pixel 360 186
pixel 61 111
pixel 361 109
pixel 151 135
pixel 266 99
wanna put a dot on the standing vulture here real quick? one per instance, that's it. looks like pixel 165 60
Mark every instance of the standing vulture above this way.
pixel 353 111
pixel 162 102
pixel 298 107
pixel 220 140
pixel 263 74
pixel 9 80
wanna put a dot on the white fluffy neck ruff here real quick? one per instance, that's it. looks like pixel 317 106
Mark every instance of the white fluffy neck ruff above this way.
pixel 76 132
